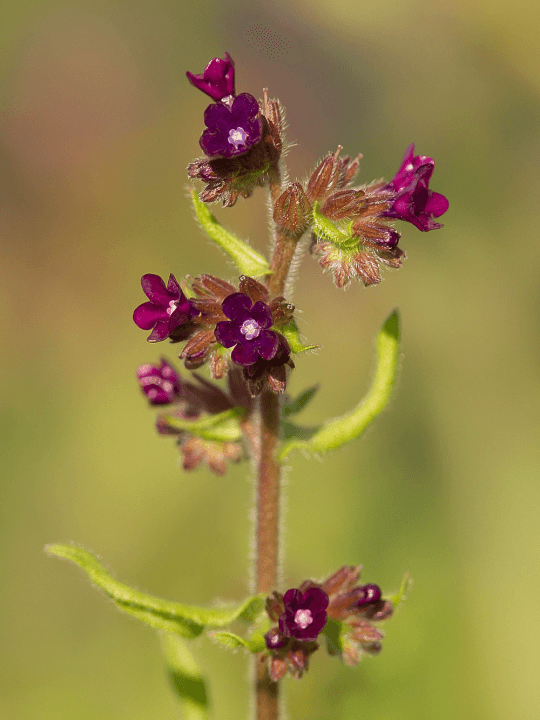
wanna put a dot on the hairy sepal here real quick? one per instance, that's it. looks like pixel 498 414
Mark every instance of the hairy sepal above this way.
pixel 292 335
pixel 254 644
pixel 325 229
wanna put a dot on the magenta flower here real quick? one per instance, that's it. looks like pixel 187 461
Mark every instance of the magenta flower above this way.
pixel 305 613
pixel 167 310
pixel 368 594
pixel 160 384
pixel 247 330
pixel 217 80
pixel 232 129
pixel 414 201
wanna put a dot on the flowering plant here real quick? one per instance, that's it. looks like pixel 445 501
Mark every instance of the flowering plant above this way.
pixel 246 331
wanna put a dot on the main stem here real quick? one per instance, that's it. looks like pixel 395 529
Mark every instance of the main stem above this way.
pixel 269 474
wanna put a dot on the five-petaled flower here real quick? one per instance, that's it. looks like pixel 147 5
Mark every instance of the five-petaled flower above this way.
pixel 247 330
pixel 414 201
pixel 232 127
pixel 160 383
pixel 217 80
pixel 168 308
pixel 305 613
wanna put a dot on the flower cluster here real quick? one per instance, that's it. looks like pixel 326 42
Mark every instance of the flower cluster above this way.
pixel 217 318
pixel 191 401
pixel 339 608
pixel 242 140
pixel 351 231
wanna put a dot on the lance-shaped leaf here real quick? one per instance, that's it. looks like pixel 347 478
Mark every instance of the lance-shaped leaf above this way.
pixel 186 620
pixel 247 260
pixel 325 229
pixel 221 427
pixel 343 429
pixel 292 335
pixel 185 677
pixel 255 643
pixel 291 407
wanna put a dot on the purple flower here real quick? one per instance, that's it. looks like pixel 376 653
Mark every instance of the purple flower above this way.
pixel 368 594
pixel 231 130
pixel 167 310
pixel 305 613
pixel 247 330
pixel 414 201
pixel 160 384
pixel 217 80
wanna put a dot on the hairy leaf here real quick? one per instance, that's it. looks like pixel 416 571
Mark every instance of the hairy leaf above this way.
pixel 325 229
pixel 186 620
pixel 291 407
pixel 185 677
pixel 230 640
pixel 222 427
pixel 292 334
pixel 247 260
pixel 402 592
pixel 343 429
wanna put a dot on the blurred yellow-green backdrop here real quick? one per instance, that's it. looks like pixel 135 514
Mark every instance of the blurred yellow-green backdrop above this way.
pixel 97 125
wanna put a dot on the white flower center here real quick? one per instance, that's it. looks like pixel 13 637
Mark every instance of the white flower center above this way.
pixel 303 618
pixel 237 137
pixel 172 307
pixel 409 167
pixel 250 329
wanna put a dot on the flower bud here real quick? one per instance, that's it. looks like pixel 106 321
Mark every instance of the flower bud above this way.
pixel 292 209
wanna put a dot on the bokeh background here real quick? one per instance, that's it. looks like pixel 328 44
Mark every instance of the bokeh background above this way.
pixel 97 126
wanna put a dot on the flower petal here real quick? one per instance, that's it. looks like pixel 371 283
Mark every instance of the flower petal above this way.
pixel 244 354
pixel 228 334
pixel 437 204
pixel 261 313
pixel 267 344
pixel 236 307
pixel 244 106
pixel 217 115
pixel 160 331
pixel 147 315
pixel 155 290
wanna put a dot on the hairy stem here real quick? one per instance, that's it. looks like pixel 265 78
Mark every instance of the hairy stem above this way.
pixel 269 470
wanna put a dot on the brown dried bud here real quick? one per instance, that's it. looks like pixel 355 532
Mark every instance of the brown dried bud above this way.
pixel 197 349
pixel 342 580
pixel 277 667
pixel 282 310
pixel 272 111
pixel 219 364
pixel 210 286
pixel 342 204
pixel 253 289
pixel 365 632
pixel 274 606
pixel 324 177
pixel 292 209
pixel 367 268
pixel 194 450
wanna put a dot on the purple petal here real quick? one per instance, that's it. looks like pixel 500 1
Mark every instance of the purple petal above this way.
pixel 217 79
pixel 160 331
pixel 315 600
pixel 437 204
pixel 244 354
pixel 267 344
pixel 292 599
pixel 147 315
pixel 260 312
pixel 236 307
pixel 173 287
pixel 213 143
pixel 155 290
pixel 228 334
pixel 244 106
pixel 217 115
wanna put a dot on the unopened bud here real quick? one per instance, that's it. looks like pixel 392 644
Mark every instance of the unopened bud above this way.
pixel 367 268
pixel 342 204
pixel 292 208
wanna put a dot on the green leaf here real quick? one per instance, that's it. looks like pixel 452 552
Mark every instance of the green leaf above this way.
pixel 402 592
pixel 291 407
pixel 345 428
pixel 292 334
pixel 222 427
pixel 325 229
pixel 247 260
pixel 185 677
pixel 186 620
pixel 230 640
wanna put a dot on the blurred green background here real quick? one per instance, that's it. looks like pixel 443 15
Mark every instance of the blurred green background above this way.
pixel 98 123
